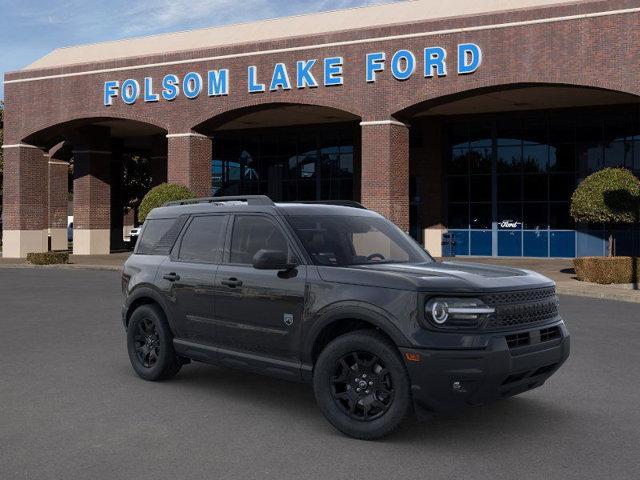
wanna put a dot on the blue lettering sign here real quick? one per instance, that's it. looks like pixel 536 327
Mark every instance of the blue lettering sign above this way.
pixel 280 78
pixel 304 77
pixel 170 87
pixel 130 91
pixel 149 96
pixel 403 64
pixel 434 59
pixel 375 63
pixel 333 71
pixel 192 85
pixel 254 87
pixel 218 81
pixel 469 58
pixel 110 92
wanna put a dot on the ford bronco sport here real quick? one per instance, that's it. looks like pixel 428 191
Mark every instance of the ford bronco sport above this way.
pixel 337 296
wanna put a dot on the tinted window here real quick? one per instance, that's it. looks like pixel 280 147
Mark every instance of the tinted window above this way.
pixel 253 233
pixel 345 240
pixel 204 240
pixel 159 235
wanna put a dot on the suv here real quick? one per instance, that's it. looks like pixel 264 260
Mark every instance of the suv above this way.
pixel 337 296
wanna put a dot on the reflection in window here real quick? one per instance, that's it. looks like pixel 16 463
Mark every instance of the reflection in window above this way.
pixel 293 164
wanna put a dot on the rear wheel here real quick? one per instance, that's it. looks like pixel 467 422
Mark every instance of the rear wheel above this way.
pixel 361 385
pixel 150 344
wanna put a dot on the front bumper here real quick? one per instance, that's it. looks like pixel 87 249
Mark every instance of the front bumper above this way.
pixel 448 379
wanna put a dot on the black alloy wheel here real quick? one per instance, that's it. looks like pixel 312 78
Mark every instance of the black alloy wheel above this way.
pixel 147 342
pixel 361 386
pixel 150 344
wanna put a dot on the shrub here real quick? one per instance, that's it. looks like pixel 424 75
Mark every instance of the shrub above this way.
pixel 607 270
pixel 158 196
pixel 611 195
pixel 48 258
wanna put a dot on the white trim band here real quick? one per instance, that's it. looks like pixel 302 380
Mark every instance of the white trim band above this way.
pixel 328 45
pixel 58 162
pixel 383 122
pixel 99 152
pixel 21 145
pixel 190 134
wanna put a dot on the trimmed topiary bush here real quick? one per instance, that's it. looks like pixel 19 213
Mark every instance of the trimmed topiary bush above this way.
pixel 607 270
pixel 163 193
pixel 611 195
pixel 48 258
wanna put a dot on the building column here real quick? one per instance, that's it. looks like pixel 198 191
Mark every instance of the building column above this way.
pixel 58 191
pixel 24 202
pixel 385 170
pixel 189 162
pixel 158 160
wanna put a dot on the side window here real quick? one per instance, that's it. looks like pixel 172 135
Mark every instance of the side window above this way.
pixel 252 233
pixel 159 235
pixel 204 239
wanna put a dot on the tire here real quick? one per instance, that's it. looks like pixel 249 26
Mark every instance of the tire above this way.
pixel 150 344
pixel 384 399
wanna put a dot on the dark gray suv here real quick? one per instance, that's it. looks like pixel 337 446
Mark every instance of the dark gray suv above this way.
pixel 337 296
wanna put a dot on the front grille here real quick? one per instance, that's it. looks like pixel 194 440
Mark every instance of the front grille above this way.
pixel 515 309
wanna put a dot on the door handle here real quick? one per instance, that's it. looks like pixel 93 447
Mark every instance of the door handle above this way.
pixel 231 283
pixel 172 277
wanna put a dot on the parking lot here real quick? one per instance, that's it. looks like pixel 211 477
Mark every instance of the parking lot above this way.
pixel 71 407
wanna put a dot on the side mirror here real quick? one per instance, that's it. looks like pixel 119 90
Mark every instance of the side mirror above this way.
pixel 272 260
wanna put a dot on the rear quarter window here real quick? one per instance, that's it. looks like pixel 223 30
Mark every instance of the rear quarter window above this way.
pixel 158 235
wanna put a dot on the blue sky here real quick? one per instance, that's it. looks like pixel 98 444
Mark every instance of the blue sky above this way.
pixel 30 29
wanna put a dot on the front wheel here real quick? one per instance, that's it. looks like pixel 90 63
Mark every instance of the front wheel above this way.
pixel 361 385
pixel 150 344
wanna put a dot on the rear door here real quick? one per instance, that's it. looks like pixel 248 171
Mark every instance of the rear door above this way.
pixel 259 311
pixel 187 277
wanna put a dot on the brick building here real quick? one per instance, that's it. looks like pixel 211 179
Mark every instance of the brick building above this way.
pixel 474 117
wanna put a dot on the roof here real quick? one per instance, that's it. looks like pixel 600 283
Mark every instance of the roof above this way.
pixel 285 27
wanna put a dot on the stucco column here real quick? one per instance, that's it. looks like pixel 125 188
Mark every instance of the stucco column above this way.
pixel 189 162
pixel 58 191
pixel 158 160
pixel 25 211
pixel 385 170
pixel 91 202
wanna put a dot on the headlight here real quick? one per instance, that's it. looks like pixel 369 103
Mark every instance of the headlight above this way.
pixel 457 312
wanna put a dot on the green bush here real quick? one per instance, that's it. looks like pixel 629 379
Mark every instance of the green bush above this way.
pixel 611 195
pixel 48 258
pixel 158 196
pixel 607 270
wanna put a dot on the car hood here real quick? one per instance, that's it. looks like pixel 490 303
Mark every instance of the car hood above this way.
pixel 437 276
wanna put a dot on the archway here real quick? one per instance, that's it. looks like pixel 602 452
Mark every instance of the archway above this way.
pixel 286 151
pixel 111 162
pixel 496 167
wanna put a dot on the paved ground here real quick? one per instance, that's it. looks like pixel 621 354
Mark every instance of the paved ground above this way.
pixel 71 407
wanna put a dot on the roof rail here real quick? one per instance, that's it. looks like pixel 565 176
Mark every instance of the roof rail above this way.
pixel 341 203
pixel 250 199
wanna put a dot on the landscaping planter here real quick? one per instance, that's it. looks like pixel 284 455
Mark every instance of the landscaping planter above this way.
pixel 607 270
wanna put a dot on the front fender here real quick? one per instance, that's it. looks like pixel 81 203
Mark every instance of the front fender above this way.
pixel 365 312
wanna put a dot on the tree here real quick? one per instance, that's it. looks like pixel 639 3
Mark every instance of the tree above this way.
pixel 609 196
pixel 163 193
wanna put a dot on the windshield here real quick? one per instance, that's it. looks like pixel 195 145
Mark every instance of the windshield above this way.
pixel 344 240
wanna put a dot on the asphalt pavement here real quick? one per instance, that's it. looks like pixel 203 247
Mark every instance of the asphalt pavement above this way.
pixel 72 408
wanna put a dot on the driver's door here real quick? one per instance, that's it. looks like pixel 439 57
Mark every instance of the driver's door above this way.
pixel 259 311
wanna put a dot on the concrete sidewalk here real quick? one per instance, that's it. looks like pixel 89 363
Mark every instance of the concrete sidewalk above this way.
pixel 113 261
pixel 559 270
